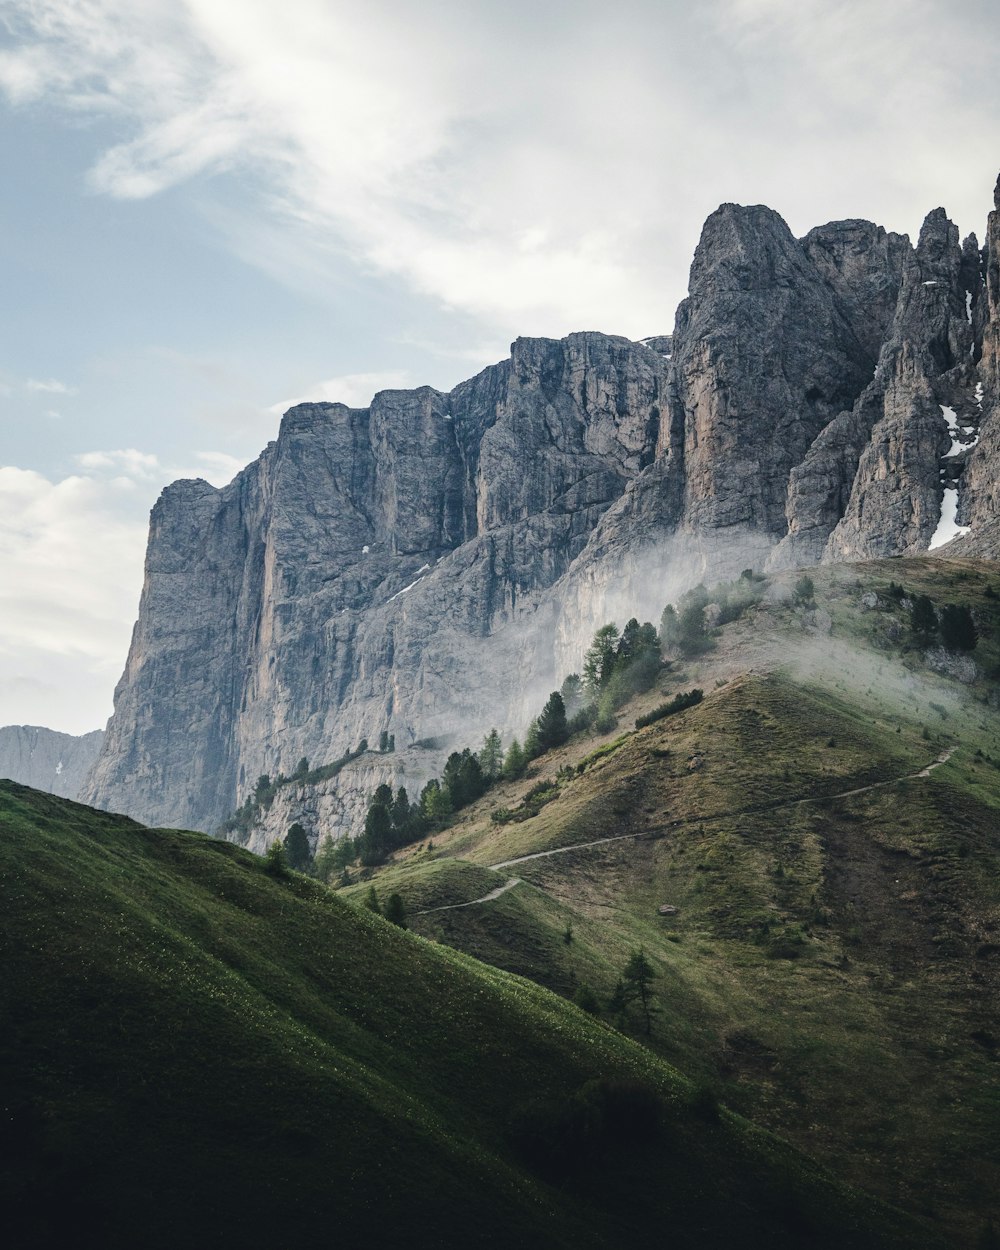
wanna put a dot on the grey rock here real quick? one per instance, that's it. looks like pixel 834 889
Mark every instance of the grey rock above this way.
pixel 374 569
pixel 46 759
pixel 434 564
pixel 962 667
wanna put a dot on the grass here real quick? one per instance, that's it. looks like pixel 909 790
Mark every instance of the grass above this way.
pixel 200 1053
pixel 833 964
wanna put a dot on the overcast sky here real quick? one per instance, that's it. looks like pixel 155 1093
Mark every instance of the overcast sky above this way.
pixel 213 208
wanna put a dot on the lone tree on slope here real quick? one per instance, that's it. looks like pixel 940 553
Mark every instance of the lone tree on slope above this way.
pixel 297 848
pixel 637 978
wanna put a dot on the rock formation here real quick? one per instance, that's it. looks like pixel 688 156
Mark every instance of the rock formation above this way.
pixel 431 565
pixel 47 760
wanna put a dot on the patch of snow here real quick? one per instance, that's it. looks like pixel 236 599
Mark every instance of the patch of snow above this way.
pixel 952 420
pixel 979 395
pixel 948 528
pixel 364 550
pixel 933 282
pixel 59 768
pixel 424 568
pixel 405 589
pixel 968 307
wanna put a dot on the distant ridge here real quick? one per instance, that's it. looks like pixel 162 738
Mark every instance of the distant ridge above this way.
pixel 46 759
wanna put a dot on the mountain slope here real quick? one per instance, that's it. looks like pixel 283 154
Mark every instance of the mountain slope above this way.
pixel 826 828
pixel 198 1052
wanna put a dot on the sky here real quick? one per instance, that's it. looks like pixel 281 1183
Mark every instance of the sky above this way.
pixel 215 208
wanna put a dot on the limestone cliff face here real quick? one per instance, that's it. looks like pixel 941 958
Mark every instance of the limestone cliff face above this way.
pixel 47 760
pixel 372 570
pixel 431 565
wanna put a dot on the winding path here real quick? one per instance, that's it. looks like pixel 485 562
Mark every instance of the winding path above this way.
pixel 943 758
pixel 487 898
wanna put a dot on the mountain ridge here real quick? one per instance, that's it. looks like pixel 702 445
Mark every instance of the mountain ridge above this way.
pixel 334 591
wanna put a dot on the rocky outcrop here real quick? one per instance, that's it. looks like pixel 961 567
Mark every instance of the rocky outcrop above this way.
pixel 374 569
pixel 431 565
pixel 47 760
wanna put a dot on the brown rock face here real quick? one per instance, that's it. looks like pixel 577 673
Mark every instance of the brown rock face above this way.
pixel 432 564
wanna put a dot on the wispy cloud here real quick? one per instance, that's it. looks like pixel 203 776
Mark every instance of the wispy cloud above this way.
pixel 130 465
pixel 356 390
pixel 543 174
pixel 50 387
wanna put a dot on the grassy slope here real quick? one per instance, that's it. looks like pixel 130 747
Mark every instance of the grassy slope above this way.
pixel 833 967
pixel 197 1053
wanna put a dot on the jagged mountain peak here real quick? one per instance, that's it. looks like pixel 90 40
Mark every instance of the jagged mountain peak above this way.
pixel 388 568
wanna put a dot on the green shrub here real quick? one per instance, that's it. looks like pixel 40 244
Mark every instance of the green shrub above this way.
pixel 677 704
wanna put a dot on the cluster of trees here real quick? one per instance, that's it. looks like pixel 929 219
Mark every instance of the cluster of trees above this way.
pixel 615 667
pixel 954 627
pixel 685 627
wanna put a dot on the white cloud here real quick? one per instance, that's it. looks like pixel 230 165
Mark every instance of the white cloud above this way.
pixel 71 558
pixel 51 387
pixel 131 467
pixel 546 170
pixel 128 461
pixel 353 389
pixel 70 572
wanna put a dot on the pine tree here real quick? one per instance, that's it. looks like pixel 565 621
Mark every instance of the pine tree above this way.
pixel 599 660
pixel 376 841
pixel 325 864
pixel 532 743
pixel 628 642
pixel 514 762
pixel 435 803
pixel 923 618
pixel 491 756
pixel 805 589
pixel 669 632
pixel 958 630
pixel 371 901
pixel 572 693
pixel 552 730
pixel 297 848
pixel 383 741
pixel 618 1002
pixel 395 911
pixel 402 817
pixel 274 860
pixel 638 976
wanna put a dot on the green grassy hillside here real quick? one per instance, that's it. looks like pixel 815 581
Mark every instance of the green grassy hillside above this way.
pixel 832 964
pixel 198 1053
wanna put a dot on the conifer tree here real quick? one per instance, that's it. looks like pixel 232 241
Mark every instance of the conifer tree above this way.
pixel 638 976
pixel 923 618
pixel 958 630
pixel 395 911
pixel 514 762
pixel 325 864
pixel 491 756
pixel 297 848
pixel 275 864
pixel 402 817
pixel 551 724
pixel 572 693
pixel 599 660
